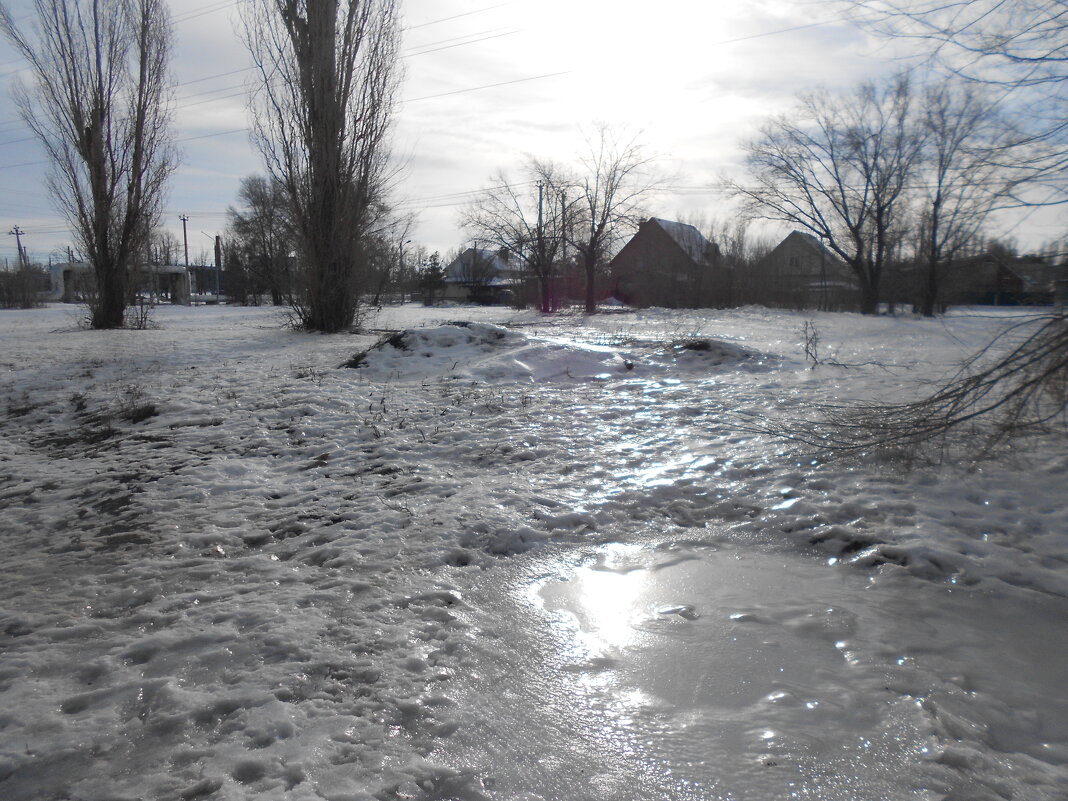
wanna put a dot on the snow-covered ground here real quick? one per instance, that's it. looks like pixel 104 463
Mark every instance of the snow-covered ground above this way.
pixel 518 558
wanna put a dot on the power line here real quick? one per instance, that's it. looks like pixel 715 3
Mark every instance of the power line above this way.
pixel 459 44
pixel 23 164
pixel 428 48
pixel 456 16
pixel 205 10
pixel 213 77
pixel 211 135
pixel 489 86
pixel 791 29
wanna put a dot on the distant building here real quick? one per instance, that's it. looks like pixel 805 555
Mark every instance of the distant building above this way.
pixel 670 264
pixel 799 273
pixel 994 278
pixel 997 279
pixel 73 282
pixel 484 276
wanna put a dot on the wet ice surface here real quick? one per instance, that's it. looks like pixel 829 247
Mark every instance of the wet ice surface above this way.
pixel 718 670
pixel 292 581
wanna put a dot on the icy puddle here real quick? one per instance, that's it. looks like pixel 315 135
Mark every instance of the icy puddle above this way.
pixel 697 671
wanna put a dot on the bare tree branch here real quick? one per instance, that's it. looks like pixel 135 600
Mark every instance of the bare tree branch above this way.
pixel 328 77
pixel 616 179
pixel 839 169
pixel 100 106
pixel 1019 48
pixel 1015 385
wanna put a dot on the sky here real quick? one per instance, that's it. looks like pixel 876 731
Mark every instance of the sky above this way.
pixel 490 83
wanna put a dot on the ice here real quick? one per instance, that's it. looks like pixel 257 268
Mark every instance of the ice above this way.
pixel 685 670
pixel 502 565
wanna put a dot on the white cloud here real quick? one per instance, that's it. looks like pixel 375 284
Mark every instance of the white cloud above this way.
pixel 694 78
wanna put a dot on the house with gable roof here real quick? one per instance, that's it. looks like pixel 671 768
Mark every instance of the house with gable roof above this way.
pixel 482 276
pixel 799 273
pixel 670 264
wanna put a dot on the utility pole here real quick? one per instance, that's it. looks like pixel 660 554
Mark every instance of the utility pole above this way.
pixel 185 236
pixel 564 269
pixel 218 268
pixel 17 233
pixel 401 277
pixel 546 269
pixel 563 227
pixel 541 188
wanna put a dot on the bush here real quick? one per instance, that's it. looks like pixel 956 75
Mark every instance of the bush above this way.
pixel 21 288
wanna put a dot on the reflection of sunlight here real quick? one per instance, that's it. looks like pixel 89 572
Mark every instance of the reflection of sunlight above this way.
pixel 607 599
pixel 661 473
pixel 606 607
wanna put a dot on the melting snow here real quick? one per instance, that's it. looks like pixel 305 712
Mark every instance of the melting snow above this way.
pixel 516 558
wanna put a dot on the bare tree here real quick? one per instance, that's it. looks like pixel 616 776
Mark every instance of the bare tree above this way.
pixel 1016 48
pixel 328 78
pixel 263 233
pixel 959 184
pixel 522 219
pixel 839 169
pixel 387 262
pixel 100 106
pixel 614 181
pixel 164 247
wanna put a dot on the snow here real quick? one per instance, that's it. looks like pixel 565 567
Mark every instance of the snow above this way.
pixel 692 241
pixel 512 557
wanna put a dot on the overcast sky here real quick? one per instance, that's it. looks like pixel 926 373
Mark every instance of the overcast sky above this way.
pixel 488 83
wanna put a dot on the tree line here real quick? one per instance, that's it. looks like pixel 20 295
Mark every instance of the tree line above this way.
pixel 100 104
pixel 893 169
pixel 890 172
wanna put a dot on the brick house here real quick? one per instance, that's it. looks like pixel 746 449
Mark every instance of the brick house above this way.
pixel 670 264
pixel 799 273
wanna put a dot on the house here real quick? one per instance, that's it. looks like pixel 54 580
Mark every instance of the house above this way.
pixel 996 277
pixel 73 282
pixel 670 264
pixel 1040 278
pixel 799 273
pixel 482 276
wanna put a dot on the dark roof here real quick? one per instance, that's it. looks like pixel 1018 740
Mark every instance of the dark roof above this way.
pixel 692 241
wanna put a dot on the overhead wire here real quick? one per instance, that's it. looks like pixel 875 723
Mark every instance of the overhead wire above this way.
pixel 456 16
pixel 183 104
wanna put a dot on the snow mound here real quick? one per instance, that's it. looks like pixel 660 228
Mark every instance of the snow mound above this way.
pixel 702 353
pixel 492 354
pixel 484 353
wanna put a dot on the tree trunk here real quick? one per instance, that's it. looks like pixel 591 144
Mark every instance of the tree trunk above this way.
pixel 109 308
pixel 546 294
pixel 929 299
pixel 869 291
pixel 869 301
pixel 591 289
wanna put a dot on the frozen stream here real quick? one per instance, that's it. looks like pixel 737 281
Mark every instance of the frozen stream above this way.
pixel 713 670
